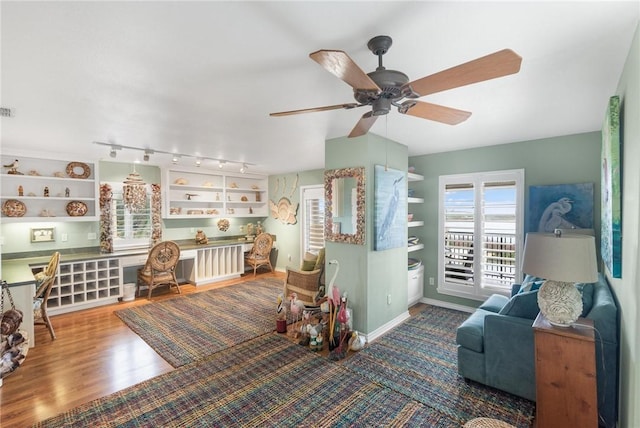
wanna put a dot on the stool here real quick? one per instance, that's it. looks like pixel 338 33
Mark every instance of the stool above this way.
pixel 487 423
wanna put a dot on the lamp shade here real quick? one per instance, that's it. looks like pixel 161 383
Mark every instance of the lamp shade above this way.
pixel 567 258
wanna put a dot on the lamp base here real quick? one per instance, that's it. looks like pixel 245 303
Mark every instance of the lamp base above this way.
pixel 560 302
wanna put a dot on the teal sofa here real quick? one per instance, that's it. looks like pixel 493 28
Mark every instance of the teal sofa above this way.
pixel 496 345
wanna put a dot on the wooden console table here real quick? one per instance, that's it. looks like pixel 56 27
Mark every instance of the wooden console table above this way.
pixel 566 388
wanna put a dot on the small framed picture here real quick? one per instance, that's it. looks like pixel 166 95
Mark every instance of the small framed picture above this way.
pixel 43 234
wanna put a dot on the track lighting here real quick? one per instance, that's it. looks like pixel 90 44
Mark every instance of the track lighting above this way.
pixel 175 157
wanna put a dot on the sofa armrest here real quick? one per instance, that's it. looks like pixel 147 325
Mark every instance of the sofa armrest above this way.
pixel 510 354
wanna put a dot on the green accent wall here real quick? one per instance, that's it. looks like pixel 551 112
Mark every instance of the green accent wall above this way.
pixel 558 160
pixel 369 277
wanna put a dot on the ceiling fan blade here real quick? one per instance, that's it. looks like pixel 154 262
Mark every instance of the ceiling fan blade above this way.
pixel 497 64
pixel 435 112
pixel 364 124
pixel 346 106
pixel 342 66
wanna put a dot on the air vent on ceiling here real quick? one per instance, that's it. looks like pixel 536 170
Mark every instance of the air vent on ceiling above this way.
pixel 6 112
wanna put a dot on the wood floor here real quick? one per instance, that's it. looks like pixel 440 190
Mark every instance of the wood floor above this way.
pixel 95 354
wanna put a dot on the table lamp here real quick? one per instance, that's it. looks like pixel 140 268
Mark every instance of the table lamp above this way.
pixel 563 260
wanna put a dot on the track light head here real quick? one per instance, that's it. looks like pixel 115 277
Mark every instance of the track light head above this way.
pixel 221 164
pixel 174 159
pixel 113 152
pixel 244 168
pixel 198 162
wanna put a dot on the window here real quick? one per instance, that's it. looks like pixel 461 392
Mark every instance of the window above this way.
pixel 312 219
pixel 129 230
pixel 480 229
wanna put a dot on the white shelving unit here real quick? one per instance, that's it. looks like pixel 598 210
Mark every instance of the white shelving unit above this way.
pixel 415 276
pixel 85 284
pixel 416 282
pixel 207 194
pixel 47 188
pixel 412 177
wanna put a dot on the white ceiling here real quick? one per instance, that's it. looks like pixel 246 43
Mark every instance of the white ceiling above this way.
pixel 202 77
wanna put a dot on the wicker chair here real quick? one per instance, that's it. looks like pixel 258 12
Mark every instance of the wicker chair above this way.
pixel 306 284
pixel 44 283
pixel 260 254
pixel 160 267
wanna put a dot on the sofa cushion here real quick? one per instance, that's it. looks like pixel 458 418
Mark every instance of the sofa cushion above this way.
pixel 470 334
pixel 494 303
pixel 320 260
pixel 309 262
pixel 531 283
pixel 586 291
pixel 522 305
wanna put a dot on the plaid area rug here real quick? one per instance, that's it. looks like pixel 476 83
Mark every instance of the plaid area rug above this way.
pixel 419 359
pixel 186 328
pixel 267 381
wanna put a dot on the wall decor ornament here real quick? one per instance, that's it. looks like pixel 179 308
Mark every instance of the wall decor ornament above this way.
pixel 78 170
pixel 611 190
pixel 223 224
pixel 106 202
pixel 390 211
pixel 284 211
pixel 156 214
pixel 134 192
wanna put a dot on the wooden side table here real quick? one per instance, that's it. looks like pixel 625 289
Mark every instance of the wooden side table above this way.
pixel 566 388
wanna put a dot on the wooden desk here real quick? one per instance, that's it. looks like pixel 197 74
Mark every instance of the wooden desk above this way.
pixel 566 387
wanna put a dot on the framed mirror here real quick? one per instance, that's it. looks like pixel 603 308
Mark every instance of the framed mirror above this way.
pixel 344 205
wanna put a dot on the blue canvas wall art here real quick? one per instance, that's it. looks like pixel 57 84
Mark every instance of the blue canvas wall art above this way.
pixel 561 206
pixel 390 215
pixel 611 190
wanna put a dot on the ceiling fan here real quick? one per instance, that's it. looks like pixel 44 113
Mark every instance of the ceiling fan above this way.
pixel 384 88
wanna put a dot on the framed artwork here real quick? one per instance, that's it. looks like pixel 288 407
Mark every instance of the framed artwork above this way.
pixel 560 206
pixel 43 234
pixel 611 190
pixel 390 211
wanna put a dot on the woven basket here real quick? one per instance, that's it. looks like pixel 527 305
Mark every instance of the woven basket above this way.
pixel 487 423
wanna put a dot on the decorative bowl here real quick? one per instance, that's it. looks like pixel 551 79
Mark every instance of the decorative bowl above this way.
pixel 14 208
pixel 77 208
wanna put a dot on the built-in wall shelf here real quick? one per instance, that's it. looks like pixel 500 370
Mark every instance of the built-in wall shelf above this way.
pixel 411 176
pixel 211 194
pixel 48 190
pixel 416 247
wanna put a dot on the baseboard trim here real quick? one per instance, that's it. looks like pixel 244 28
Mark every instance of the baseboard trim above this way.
pixel 387 326
pixel 447 305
